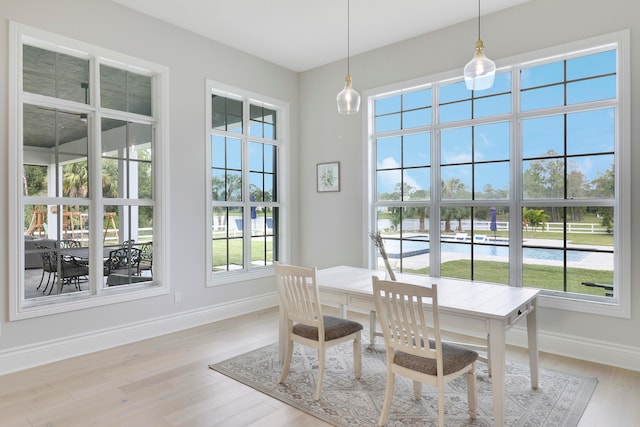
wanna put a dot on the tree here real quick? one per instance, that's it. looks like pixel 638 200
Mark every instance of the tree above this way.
pixel 534 218
pixel 454 188
pixel 604 187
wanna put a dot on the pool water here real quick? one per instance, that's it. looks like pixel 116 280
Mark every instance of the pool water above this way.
pixel 412 248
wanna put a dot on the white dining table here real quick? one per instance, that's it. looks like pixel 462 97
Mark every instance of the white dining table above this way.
pixel 464 305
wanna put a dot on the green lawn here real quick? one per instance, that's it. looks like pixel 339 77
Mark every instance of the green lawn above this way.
pixel 534 276
pixel 235 251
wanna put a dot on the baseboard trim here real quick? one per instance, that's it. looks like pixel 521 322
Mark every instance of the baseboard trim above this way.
pixel 606 353
pixel 30 356
pixel 25 357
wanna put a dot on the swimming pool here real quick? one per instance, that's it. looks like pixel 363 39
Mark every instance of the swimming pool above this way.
pixel 413 247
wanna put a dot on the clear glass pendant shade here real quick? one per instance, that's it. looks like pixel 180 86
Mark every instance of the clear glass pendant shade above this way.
pixel 480 72
pixel 348 99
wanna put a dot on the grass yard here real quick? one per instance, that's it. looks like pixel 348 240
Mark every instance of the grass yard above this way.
pixel 534 276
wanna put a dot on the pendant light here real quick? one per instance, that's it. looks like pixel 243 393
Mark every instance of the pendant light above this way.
pixel 348 99
pixel 480 71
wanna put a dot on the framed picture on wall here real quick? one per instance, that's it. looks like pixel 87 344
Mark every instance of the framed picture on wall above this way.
pixel 328 177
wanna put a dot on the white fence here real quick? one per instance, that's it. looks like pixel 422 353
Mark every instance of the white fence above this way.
pixel 413 224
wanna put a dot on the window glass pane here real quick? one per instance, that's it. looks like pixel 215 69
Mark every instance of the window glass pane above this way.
pixel 262 241
pixel 270 158
pixel 415 118
pixel 417 99
pixel 545 97
pixel 591 65
pixel 491 141
pixel 492 106
pixel 591 177
pixel 233 153
pixel 456 182
pixel 455 145
pixel 57 259
pixel 543 136
pixel 417 184
pixel 389 152
pixel 126 159
pixel 218 148
pixel 227 114
pixel 591 90
pixel 227 242
pixel 140 153
pixel 455 112
pixel 388 123
pixel 262 123
pixel 543 179
pixel 36 180
pixel 416 149
pixel 603 185
pixel 491 181
pixel 125 91
pixel 113 82
pixel 501 84
pixel 491 244
pixel 542 75
pixel 389 184
pixel 455 243
pixel 387 105
pixel 586 253
pixel 55 74
pixel 454 92
pixel 591 132
pixel 139 94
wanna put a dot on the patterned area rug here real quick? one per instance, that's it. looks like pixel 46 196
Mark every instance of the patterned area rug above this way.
pixel 560 400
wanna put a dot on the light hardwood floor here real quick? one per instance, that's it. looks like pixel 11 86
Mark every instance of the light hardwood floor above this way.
pixel 165 381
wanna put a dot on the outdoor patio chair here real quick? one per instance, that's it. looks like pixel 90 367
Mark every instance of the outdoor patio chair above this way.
pixel 49 265
pixel 146 258
pixel 122 261
pixel 306 325
pixel 413 344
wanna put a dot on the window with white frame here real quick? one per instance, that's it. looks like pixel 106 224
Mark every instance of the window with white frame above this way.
pixel 522 184
pixel 85 143
pixel 245 147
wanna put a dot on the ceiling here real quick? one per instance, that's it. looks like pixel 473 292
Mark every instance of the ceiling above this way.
pixel 304 34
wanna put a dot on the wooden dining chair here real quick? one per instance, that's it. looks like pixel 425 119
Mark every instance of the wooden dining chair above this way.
pixel 307 325
pixel 413 346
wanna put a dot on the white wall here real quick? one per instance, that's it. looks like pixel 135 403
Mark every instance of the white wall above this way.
pixel 325 136
pixel 191 59
pixel 327 227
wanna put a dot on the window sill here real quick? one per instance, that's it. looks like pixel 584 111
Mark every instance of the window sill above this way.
pixel 599 306
pixel 82 300
pixel 224 278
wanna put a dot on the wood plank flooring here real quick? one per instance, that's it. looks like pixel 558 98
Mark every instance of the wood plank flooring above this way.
pixel 165 381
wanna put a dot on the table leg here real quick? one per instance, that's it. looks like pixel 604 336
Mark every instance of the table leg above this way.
pixel 532 336
pixel 497 335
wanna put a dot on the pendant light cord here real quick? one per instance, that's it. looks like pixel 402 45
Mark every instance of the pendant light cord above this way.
pixel 349 34
pixel 478 19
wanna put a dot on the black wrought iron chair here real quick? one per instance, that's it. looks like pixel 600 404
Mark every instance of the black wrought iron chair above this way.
pixel 49 265
pixel 123 261
pixel 146 258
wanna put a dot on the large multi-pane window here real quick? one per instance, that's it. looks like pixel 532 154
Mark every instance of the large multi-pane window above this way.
pixel 518 184
pixel 244 149
pixel 85 145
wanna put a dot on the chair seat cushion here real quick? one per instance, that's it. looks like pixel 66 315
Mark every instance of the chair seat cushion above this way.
pixel 454 358
pixel 334 327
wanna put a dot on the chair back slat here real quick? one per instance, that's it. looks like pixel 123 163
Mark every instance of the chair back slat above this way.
pixel 405 322
pixel 299 294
